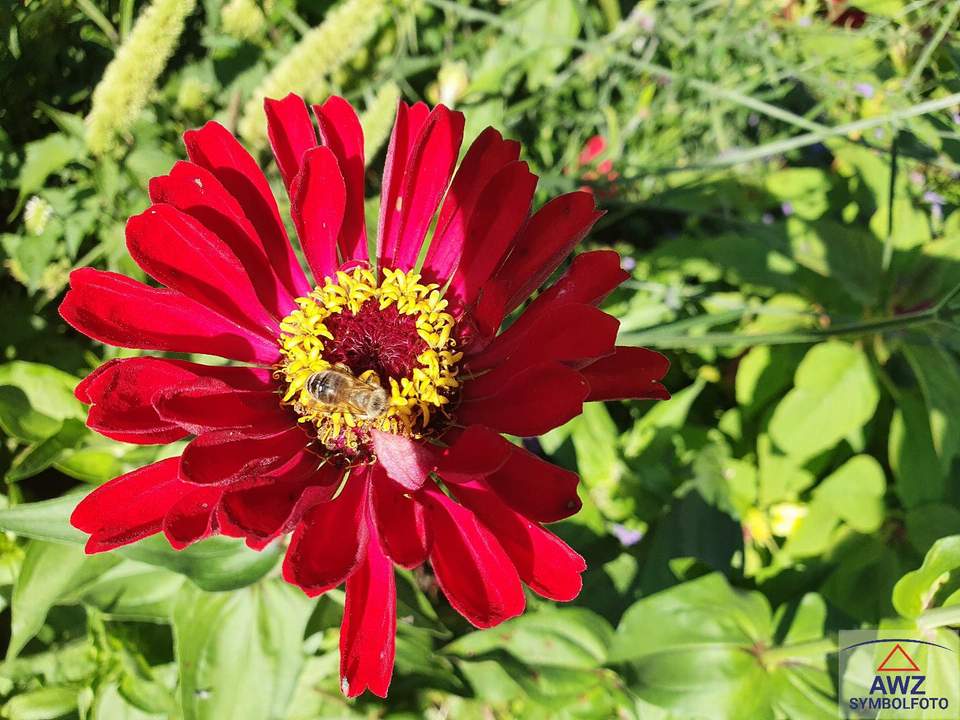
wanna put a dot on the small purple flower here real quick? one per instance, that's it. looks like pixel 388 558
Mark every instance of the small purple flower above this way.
pixel 767 218
pixel 865 89
pixel 627 263
pixel 805 21
pixel 625 535
pixel 936 202
pixel 787 209
pixel 956 117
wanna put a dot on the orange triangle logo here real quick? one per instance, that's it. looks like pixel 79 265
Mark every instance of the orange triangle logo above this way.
pixel 898 661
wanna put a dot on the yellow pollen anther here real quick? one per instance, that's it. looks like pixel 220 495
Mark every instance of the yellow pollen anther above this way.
pixel 414 401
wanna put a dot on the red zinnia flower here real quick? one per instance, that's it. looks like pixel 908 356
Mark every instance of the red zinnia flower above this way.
pixel 591 171
pixel 366 417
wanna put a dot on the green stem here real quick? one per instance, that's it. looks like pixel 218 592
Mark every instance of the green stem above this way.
pixel 931 46
pixel 656 338
pixel 99 19
pixel 940 617
pixel 811 648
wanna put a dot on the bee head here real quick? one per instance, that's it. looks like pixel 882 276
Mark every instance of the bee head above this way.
pixel 376 402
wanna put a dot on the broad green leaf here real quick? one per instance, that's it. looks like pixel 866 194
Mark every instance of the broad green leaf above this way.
pixel 564 637
pixel 45 157
pixel 698 650
pixel 20 420
pixel 132 591
pixel 913 458
pixel 714 681
pixel 217 563
pixel 706 611
pixel 50 571
pixel 596 441
pixel 724 482
pixel 855 491
pixel 49 391
pixel 814 533
pixel 780 476
pixel 239 653
pixel 939 378
pixel 834 394
pixel 40 456
pixel 928 523
pixel 914 592
pixel 763 373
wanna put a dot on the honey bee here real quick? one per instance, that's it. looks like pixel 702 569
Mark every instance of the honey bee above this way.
pixel 340 390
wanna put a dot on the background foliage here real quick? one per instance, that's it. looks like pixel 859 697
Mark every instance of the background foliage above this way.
pixel 780 176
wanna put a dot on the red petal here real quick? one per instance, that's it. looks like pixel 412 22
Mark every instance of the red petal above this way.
pixel 548 238
pixel 214 148
pixel 531 402
pixel 341 132
pixel 406 461
pixel 472 569
pixel 209 404
pixel 192 518
pixel 368 632
pixel 500 212
pixel 426 175
pixel 400 520
pixel 222 457
pixel 119 311
pixel 566 333
pixel 536 488
pixel 198 193
pixel 319 197
pixel 479 451
pixel 406 128
pixel 590 277
pixel 122 393
pixel 179 252
pixel 130 507
pixel 543 561
pixel 291 134
pixel 631 372
pixel 267 510
pixel 488 154
pixel 330 540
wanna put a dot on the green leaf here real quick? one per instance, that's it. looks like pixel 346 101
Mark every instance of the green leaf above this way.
pixel 40 456
pixel 939 379
pixel 596 441
pixel 49 572
pixel 132 591
pixel 834 394
pixel 763 373
pixel 239 653
pixel 20 420
pixel 914 592
pixel 35 399
pixel 706 611
pixel 217 563
pixel 47 703
pixel 913 458
pixel 45 157
pixel 855 491
pixel 553 637
pixel 703 649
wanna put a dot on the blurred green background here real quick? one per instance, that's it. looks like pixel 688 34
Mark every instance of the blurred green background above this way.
pixel 781 179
